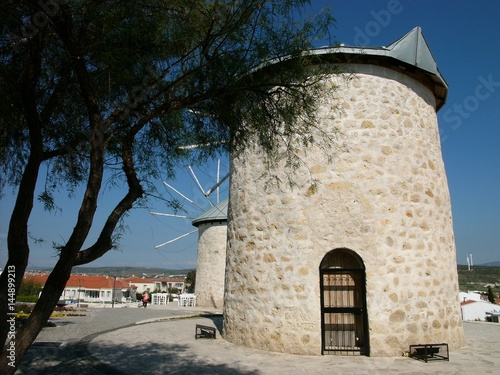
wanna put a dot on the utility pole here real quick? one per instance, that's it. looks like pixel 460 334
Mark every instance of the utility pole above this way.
pixel 79 291
pixel 113 293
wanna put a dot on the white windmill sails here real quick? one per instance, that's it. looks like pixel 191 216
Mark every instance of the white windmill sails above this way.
pixel 211 196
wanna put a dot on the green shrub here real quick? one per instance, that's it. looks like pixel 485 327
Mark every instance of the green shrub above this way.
pixel 29 288
pixel 25 298
pixel 491 297
pixel 24 308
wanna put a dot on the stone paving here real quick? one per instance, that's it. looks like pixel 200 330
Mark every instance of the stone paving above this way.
pixel 156 341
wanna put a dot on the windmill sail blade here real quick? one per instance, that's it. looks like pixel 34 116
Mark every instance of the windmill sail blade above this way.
pixel 183 196
pixel 175 239
pixel 171 215
pixel 217 185
pixel 196 179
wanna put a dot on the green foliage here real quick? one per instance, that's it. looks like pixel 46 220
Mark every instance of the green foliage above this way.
pixel 173 290
pixel 25 298
pixel 477 277
pixel 104 94
pixel 29 288
pixel 24 308
pixel 29 291
pixel 174 73
pixel 191 281
pixel 491 296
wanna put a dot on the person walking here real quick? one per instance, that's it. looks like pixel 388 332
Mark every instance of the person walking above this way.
pixel 145 299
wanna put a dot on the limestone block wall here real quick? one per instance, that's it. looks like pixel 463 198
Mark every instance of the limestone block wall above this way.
pixel 386 198
pixel 211 264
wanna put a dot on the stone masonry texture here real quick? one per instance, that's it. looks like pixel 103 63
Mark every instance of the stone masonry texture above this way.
pixel 384 196
pixel 211 264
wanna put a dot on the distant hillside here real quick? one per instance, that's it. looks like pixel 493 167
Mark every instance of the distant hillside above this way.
pixel 128 271
pixel 478 277
pixel 491 264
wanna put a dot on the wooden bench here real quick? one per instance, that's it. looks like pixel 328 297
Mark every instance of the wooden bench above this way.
pixel 428 352
pixel 205 332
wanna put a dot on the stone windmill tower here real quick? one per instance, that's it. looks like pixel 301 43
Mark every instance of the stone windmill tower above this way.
pixel 365 263
pixel 211 259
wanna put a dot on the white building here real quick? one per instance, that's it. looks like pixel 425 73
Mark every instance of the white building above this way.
pixel 92 288
pixel 469 296
pixel 105 289
pixel 151 284
pixel 477 310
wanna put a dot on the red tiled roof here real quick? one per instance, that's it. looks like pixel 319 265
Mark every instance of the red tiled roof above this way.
pixel 107 282
pixel 87 281
pixel 468 302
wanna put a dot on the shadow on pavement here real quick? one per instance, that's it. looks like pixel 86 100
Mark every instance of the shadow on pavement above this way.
pixel 152 358
pixel 217 320
pixel 174 359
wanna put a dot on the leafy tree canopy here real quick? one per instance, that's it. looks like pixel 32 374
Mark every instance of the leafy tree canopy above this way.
pixel 170 73
pixel 118 87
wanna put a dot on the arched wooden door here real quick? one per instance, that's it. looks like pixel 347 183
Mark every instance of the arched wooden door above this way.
pixel 344 317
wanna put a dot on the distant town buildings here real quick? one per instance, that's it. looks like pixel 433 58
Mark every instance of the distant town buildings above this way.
pixel 469 296
pixel 475 306
pixel 106 289
pixel 478 310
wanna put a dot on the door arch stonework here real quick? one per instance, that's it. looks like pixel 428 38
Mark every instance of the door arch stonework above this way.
pixel 344 320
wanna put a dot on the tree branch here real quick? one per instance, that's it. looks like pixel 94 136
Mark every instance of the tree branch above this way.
pixel 63 27
pixel 17 237
pixel 104 242
pixel 55 98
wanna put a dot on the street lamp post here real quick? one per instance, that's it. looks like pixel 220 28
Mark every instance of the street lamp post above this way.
pixel 113 293
pixel 79 291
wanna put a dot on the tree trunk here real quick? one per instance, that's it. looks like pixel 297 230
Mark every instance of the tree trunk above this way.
pixel 19 253
pixel 71 253
pixel 17 236
pixel 17 242
pixel 39 316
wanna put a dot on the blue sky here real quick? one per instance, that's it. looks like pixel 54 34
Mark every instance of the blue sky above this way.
pixel 464 37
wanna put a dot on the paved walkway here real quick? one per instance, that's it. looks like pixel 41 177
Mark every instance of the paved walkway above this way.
pixel 153 341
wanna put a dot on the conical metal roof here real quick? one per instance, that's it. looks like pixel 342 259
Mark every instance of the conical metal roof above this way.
pixel 413 49
pixel 409 54
pixel 216 213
